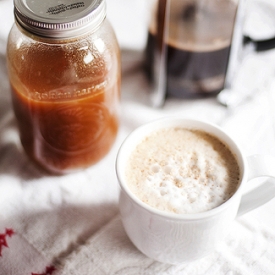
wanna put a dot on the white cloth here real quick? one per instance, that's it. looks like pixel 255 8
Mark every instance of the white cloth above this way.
pixel 248 249
pixel 70 224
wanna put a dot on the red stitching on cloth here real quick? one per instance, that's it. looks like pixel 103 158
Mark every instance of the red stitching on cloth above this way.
pixel 49 271
pixel 3 243
pixel 3 239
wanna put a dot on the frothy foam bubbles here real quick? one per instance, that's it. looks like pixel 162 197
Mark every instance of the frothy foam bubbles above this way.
pixel 182 171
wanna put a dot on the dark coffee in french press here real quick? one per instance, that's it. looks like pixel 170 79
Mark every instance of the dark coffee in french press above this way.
pixel 198 42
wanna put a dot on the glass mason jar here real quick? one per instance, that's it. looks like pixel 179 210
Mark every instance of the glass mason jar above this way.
pixel 64 70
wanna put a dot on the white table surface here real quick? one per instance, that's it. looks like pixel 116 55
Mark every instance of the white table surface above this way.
pixel 70 224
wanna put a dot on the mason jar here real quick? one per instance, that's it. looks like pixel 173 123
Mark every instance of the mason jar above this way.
pixel 64 70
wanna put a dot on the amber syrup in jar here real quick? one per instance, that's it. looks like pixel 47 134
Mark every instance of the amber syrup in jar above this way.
pixel 64 69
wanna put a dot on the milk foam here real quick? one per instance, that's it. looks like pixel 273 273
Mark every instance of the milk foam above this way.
pixel 182 171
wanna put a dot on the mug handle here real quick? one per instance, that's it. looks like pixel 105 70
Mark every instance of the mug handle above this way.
pixel 259 166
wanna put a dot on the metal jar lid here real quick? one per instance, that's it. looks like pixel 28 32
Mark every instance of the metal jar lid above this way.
pixel 59 19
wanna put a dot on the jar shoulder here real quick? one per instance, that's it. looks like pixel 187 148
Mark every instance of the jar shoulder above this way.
pixel 103 39
pixel 41 66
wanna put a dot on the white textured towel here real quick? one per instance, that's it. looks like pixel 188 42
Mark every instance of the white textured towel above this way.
pixel 248 249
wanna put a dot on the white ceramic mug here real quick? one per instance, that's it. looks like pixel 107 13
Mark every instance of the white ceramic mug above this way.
pixel 181 238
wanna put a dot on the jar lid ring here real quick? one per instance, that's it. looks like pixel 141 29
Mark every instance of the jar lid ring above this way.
pixel 54 20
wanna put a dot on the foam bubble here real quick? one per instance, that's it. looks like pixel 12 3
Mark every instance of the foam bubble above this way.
pixel 184 171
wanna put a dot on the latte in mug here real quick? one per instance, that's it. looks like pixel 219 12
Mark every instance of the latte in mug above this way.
pixel 183 171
